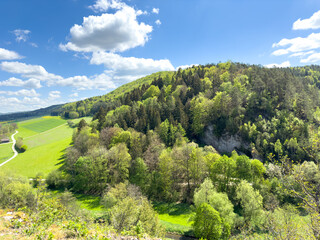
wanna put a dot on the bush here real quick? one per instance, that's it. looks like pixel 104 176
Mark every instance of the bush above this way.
pixel 56 180
pixel 23 148
pixel 16 192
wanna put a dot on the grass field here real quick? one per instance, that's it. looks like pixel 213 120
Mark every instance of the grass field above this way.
pixel 175 217
pixel 46 138
pixel 5 152
pixel 38 125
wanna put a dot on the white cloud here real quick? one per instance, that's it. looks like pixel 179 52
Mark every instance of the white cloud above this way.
pixel 130 67
pixel 310 23
pixel 54 95
pixel 275 65
pixel 15 82
pixel 109 32
pixel 28 71
pixel 37 73
pixel 34 45
pixel 140 12
pixel 22 92
pixel 186 66
pixel 74 95
pixel 21 35
pixel 298 44
pixel 8 55
pixel 315 57
pixel 155 10
pixel 101 82
pixel 301 54
pixel 104 5
pixel 158 22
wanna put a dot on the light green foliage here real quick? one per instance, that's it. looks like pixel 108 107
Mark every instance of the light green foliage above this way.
pixel 244 170
pixel 285 223
pixel 225 77
pixel 15 192
pixel 219 201
pixel 207 222
pixel 222 171
pixel 139 174
pixel 257 169
pixel 96 175
pixel 119 160
pixel 278 148
pixel 153 91
pixel 129 210
pixel 251 203
pixel 200 108
pixel 85 140
pixel 73 115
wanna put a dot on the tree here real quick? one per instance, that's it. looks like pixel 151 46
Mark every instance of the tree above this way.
pixel 82 124
pixel 153 91
pixel 251 203
pixel 219 201
pixel 207 222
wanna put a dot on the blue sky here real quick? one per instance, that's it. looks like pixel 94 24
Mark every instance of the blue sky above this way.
pixel 66 50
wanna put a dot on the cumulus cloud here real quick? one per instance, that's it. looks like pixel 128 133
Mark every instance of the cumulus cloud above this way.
pixel 155 10
pixel 109 32
pixel 104 5
pixel 15 82
pixel 29 71
pixel 37 73
pixel 298 44
pixel 8 55
pixel 130 66
pixel 309 23
pixel 21 35
pixel 281 65
pixel 158 22
pixel 22 92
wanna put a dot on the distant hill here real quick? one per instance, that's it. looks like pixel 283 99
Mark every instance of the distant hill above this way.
pixel 52 110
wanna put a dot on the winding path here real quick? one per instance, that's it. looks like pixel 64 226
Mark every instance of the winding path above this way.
pixel 13 149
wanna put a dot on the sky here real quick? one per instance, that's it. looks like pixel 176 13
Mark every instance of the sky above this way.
pixel 58 51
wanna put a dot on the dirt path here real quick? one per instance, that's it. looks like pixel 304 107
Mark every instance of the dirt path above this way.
pixel 13 149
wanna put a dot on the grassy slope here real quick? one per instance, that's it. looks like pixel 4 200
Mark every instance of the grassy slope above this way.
pixel 46 138
pixel 5 152
pixel 175 217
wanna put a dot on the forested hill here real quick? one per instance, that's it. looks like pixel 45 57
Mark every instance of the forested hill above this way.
pixel 265 113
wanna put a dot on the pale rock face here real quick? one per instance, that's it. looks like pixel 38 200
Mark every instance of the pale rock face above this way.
pixel 226 143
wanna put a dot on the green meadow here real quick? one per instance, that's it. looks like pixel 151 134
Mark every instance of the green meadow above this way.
pixel 46 138
pixel 5 152
pixel 175 217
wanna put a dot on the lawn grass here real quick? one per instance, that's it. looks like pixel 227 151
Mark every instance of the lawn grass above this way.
pixel 175 217
pixel 5 152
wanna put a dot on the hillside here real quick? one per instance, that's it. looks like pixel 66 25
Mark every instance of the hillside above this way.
pixel 233 145
pixel 52 110
pixel 231 106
